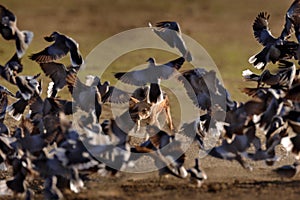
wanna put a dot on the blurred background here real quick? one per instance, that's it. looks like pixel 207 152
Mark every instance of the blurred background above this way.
pixel 223 28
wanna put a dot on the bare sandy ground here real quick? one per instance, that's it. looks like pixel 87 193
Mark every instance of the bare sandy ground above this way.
pixel 226 180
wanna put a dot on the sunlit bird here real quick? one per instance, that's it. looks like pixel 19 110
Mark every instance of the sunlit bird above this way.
pixel 170 32
pixel 274 48
pixel 152 74
pixel 61 46
pixel 10 31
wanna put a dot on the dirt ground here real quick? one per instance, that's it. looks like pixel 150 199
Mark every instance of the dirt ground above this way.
pixel 226 180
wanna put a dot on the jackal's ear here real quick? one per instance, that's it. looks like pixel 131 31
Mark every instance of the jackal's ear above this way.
pixel 134 100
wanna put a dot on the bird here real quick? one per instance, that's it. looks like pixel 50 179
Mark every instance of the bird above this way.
pixel 293 119
pixel 165 150
pixel 197 175
pixel 88 98
pixel 27 141
pixel 158 138
pixel 75 153
pixel 62 45
pixel 273 103
pixel 22 168
pixel 291 144
pixel 28 87
pixel 50 189
pixel 11 69
pixel 4 93
pixel 170 32
pixel 274 134
pixel 266 77
pixel 10 31
pixel 204 88
pixel 155 94
pixel 195 130
pixel 237 149
pixel 292 21
pixel 108 92
pixel 288 171
pixel 287 71
pixel 49 165
pixel 58 73
pixel 152 74
pixel 274 48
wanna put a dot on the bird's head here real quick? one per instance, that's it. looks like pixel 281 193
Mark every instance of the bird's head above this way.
pixel 169 25
pixel 52 37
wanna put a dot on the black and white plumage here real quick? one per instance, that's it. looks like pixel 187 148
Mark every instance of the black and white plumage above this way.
pixel 151 74
pixel 4 93
pixel 274 133
pixel 287 71
pixel 273 102
pixel 292 21
pixel 61 46
pixel 279 83
pixel 49 165
pixel 265 78
pixel 288 171
pixel 58 73
pixel 170 32
pixel 237 149
pixel 204 89
pixel 261 29
pixel 291 144
pixel 171 157
pixel 10 31
pixel 293 119
pixel 11 69
pixel 196 130
pixel 73 153
pixel 197 174
pixel 88 98
pixel 274 48
pixel 108 92
pixel 29 87
pixel 169 160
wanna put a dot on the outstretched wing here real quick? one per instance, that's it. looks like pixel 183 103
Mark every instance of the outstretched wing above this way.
pixel 137 77
pixel 115 95
pixel 53 52
pixel 57 72
pixel 168 69
pixel 261 29
pixel 171 34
